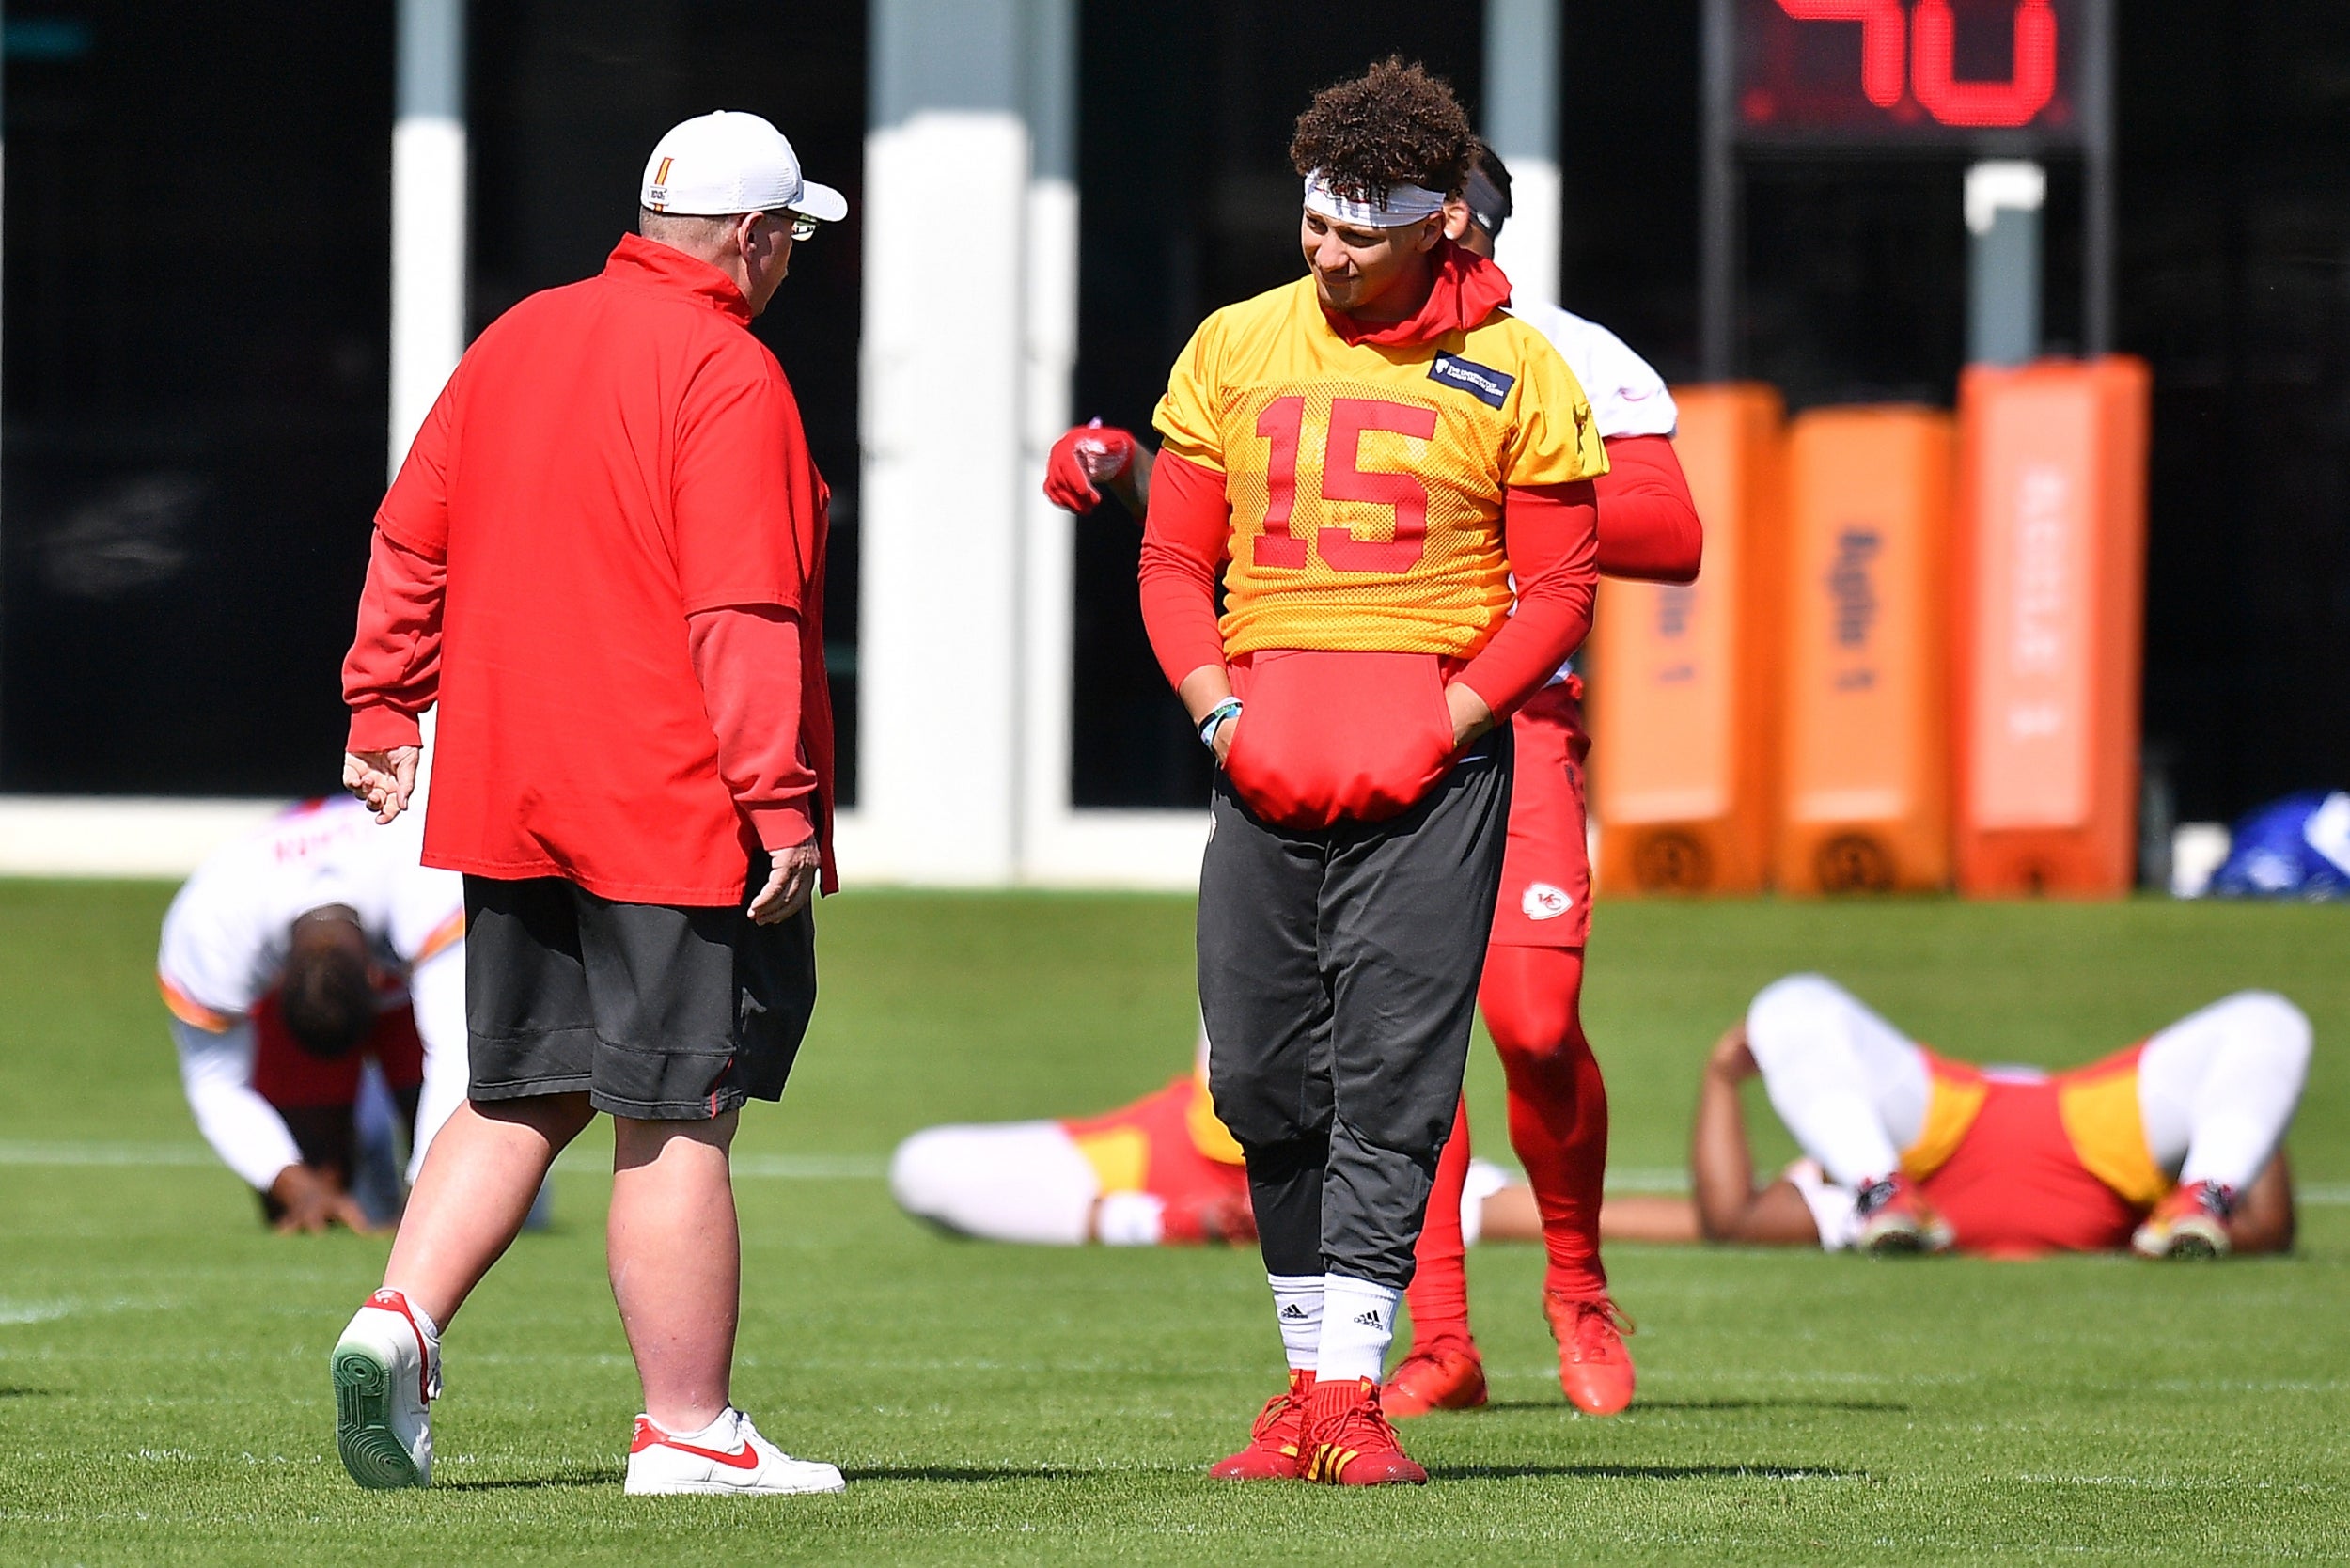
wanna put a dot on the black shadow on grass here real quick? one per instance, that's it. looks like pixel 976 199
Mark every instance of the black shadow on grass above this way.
pixel 576 1481
pixel 1643 1472
pixel 967 1476
pixel 1867 1407
pixel 25 1393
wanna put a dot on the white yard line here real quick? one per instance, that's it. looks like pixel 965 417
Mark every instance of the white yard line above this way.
pixel 16 1151
pixel 807 1168
pixel 788 1167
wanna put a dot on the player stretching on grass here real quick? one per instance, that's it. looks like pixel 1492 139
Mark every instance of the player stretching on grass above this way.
pixel 1376 450
pixel 2174 1147
pixel 291 958
pixel 604 559
pixel 1532 986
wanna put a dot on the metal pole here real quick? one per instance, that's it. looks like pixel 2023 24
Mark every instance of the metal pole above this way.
pixel 1522 124
pixel 2097 240
pixel 945 425
pixel 1717 282
pixel 3 162
pixel 2004 201
pixel 427 333
pixel 1045 582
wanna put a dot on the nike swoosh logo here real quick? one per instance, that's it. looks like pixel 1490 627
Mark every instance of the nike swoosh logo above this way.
pixel 747 1460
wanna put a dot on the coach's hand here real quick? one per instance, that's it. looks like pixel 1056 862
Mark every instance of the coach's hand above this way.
pixel 789 885
pixel 382 780
pixel 1470 716
pixel 312 1200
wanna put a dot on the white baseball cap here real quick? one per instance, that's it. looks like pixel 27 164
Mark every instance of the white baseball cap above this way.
pixel 720 163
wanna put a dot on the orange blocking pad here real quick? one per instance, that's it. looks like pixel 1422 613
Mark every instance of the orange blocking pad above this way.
pixel 2051 570
pixel 1865 774
pixel 1684 694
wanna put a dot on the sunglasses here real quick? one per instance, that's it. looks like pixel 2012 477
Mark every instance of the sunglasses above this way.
pixel 803 227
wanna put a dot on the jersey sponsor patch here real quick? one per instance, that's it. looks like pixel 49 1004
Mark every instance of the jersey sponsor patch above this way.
pixel 1483 382
pixel 1546 902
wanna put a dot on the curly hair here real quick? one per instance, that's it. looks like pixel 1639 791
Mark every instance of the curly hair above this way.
pixel 1393 125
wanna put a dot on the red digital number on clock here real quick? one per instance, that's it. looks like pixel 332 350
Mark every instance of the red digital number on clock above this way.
pixel 1923 45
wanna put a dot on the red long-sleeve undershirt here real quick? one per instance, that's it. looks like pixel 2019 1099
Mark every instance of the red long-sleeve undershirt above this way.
pixel 1550 536
pixel 748 659
pixel 1185 532
pixel 745 657
pixel 393 671
pixel 1648 520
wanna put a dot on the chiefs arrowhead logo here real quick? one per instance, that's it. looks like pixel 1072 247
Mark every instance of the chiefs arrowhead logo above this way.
pixel 1545 903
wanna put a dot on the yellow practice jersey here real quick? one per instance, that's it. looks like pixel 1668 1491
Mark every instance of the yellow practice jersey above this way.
pixel 1366 480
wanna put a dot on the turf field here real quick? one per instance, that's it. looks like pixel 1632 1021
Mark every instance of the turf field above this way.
pixel 164 1398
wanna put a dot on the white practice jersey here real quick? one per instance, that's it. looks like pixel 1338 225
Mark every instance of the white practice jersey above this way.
pixel 1627 395
pixel 225 937
pixel 225 944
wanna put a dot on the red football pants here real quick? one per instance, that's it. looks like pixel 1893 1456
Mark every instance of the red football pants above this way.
pixel 1532 1001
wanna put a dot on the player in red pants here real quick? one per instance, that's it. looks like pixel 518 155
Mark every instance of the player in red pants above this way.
pixel 1532 987
pixel 1531 994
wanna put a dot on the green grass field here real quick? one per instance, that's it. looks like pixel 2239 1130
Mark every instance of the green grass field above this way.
pixel 164 1396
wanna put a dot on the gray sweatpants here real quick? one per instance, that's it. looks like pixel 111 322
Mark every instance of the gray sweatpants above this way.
pixel 1337 977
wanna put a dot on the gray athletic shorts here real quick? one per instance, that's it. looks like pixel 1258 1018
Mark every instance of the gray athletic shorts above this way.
pixel 653 1010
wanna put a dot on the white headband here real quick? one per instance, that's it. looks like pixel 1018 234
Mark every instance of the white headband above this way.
pixel 1400 205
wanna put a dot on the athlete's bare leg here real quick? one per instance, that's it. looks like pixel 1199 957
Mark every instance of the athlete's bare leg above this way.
pixel 471 1197
pixel 676 1259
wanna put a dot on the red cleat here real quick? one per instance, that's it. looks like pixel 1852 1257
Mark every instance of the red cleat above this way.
pixel 1275 1442
pixel 1446 1375
pixel 1895 1218
pixel 1594 1368
pixel 2192 1222
pixel 1348 1441
pixel 1195 1218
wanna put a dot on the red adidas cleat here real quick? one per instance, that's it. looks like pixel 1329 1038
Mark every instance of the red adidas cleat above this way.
pixel 1895 1218
pixel 1348 1441
pixel 1275 1442
pixel 1594 1368
pixel 1446 1375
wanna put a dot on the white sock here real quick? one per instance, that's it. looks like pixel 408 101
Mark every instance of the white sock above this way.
pixel 1357 1322
pixel 1297 1307
pixel 1130 1219
pixel 719 1434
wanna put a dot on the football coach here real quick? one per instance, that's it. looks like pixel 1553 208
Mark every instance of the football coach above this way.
pixel 603 558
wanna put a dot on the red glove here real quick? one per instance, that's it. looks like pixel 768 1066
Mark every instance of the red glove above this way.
pixel 1083 458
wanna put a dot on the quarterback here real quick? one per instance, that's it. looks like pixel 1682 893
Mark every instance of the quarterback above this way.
pixel 1369 457
pixel 1648 528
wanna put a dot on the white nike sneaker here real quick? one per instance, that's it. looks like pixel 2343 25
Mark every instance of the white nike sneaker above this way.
pixel 662 1465
pixel 387 1373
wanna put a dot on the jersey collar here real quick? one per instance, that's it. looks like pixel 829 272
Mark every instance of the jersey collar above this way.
pixel 649 263
pixel 1467 289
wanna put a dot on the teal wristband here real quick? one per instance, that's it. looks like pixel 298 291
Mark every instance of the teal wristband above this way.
pixel 1228 708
